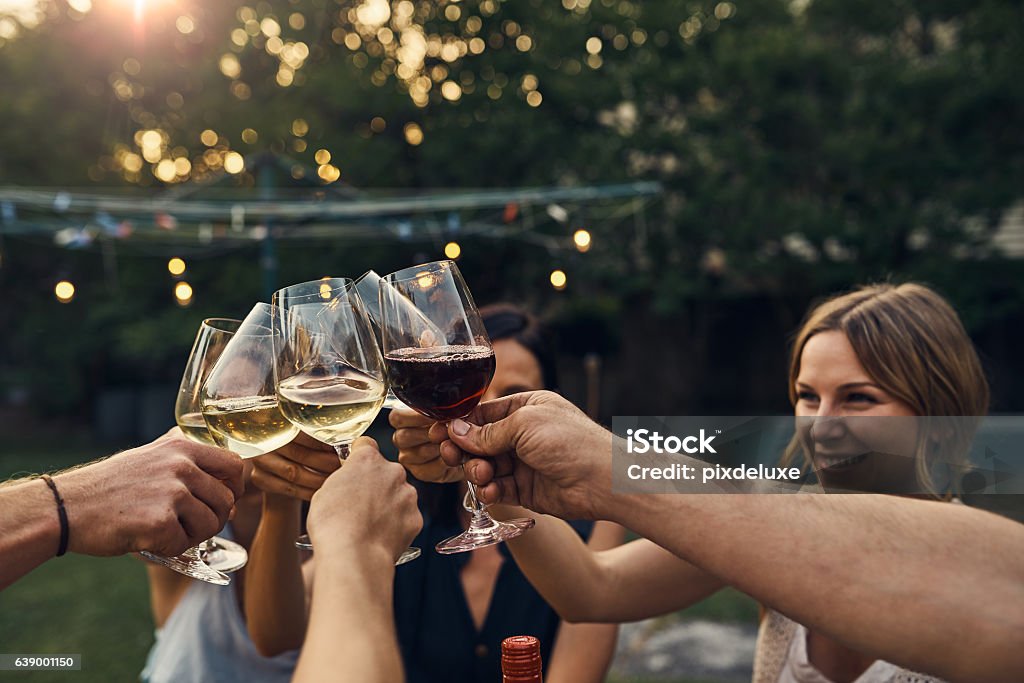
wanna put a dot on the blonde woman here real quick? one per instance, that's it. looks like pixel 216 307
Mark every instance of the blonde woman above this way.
pixel 874 587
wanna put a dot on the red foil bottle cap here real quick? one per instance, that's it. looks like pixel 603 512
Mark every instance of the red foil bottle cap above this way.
pixel 520 660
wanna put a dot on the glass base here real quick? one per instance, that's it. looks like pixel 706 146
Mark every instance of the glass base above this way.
pixel 408 555
pixel 189 564
pixel 223 555
pixel 484 531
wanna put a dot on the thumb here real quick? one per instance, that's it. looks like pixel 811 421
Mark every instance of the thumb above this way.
pixel 491 439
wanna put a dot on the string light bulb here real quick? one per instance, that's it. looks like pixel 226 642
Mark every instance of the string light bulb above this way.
pixel 582 240
pixel 64 291
pixel 176 266
pixel 452 250
pixel 183 293
pixel 558 279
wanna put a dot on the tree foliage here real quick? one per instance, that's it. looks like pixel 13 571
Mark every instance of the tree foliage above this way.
pixel 803 146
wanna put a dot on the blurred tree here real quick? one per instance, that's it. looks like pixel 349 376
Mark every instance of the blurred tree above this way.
pixel 804 145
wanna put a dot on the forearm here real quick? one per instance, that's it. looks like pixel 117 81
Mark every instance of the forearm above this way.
pixel 29 529
pixel 351 627
pixel 931 586
pixel 275 602
pixel 633 581
pixel 582 653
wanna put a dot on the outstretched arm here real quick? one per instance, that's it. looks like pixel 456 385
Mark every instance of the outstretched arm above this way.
pixel 351 632
pixel 633 581
pixel 927 585
pixel 163 497
pixel 275 586
pixel 931 586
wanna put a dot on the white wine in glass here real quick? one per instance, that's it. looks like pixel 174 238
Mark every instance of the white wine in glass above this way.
pixel 329 372
pixel 248 425
pixel 214 333
pixel 239 403
pixel 210 341
pixel 332 404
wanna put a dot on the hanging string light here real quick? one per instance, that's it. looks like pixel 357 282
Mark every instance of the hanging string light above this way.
pixel 558 279
pixel 581 238
pixel 64 291
pixel 183 293
pixel 452 250
pixel 176 266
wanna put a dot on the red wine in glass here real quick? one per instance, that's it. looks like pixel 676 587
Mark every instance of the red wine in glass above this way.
pixel 439 363
pixel 442 382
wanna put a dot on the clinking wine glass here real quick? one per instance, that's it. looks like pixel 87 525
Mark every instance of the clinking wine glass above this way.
pixel 368 287
pixel 239 403
pixel 439 360
pixel 329 373
pixel 213 335
pixel 218 553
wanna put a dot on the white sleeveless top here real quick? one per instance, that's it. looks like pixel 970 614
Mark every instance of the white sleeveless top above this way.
pixel 205 640
pixel 782 658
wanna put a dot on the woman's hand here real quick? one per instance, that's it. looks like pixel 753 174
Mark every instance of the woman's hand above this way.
pixel 418 440
pixel 296 470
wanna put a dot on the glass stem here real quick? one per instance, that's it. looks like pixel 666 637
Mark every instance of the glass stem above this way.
pixel 342 450
pixel 474 503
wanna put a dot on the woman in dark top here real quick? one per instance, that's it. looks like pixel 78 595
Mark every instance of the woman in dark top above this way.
pixel 481 595
pixel 453 611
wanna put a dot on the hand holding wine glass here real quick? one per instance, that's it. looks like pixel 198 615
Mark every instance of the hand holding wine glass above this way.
pixel 211 339
pixel 329 373
pixel 440 361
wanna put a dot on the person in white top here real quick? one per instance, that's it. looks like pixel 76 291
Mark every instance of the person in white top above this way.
pixel 917 583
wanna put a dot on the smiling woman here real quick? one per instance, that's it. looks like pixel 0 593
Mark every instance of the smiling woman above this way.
pixel 866 366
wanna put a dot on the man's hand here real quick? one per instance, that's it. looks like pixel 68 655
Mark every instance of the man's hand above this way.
pixel 539 451
pixel 163 497
pixel 418 440
pixel 297 469
pixel 367 504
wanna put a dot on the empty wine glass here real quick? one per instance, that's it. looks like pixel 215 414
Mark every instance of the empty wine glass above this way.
pixel 439 361
pixel 219 553
pixel 329 373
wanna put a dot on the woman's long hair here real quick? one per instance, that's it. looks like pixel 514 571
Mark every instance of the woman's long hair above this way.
pixel 912 344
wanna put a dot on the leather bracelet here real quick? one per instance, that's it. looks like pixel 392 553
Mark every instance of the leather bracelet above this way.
pixel 61 513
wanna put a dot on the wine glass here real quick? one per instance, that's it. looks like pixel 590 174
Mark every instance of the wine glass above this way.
pixel 219 553
pixel 440 361
pixel 238 400
pixel 329 373
pixel 368 287
pixel 213 335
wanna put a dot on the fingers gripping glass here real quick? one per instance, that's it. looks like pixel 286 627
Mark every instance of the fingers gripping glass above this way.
pixel 211 339
pixel 440 361
pixel 329 374
pixel 219 553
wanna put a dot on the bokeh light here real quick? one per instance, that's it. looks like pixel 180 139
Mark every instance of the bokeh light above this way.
pixel 64 291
